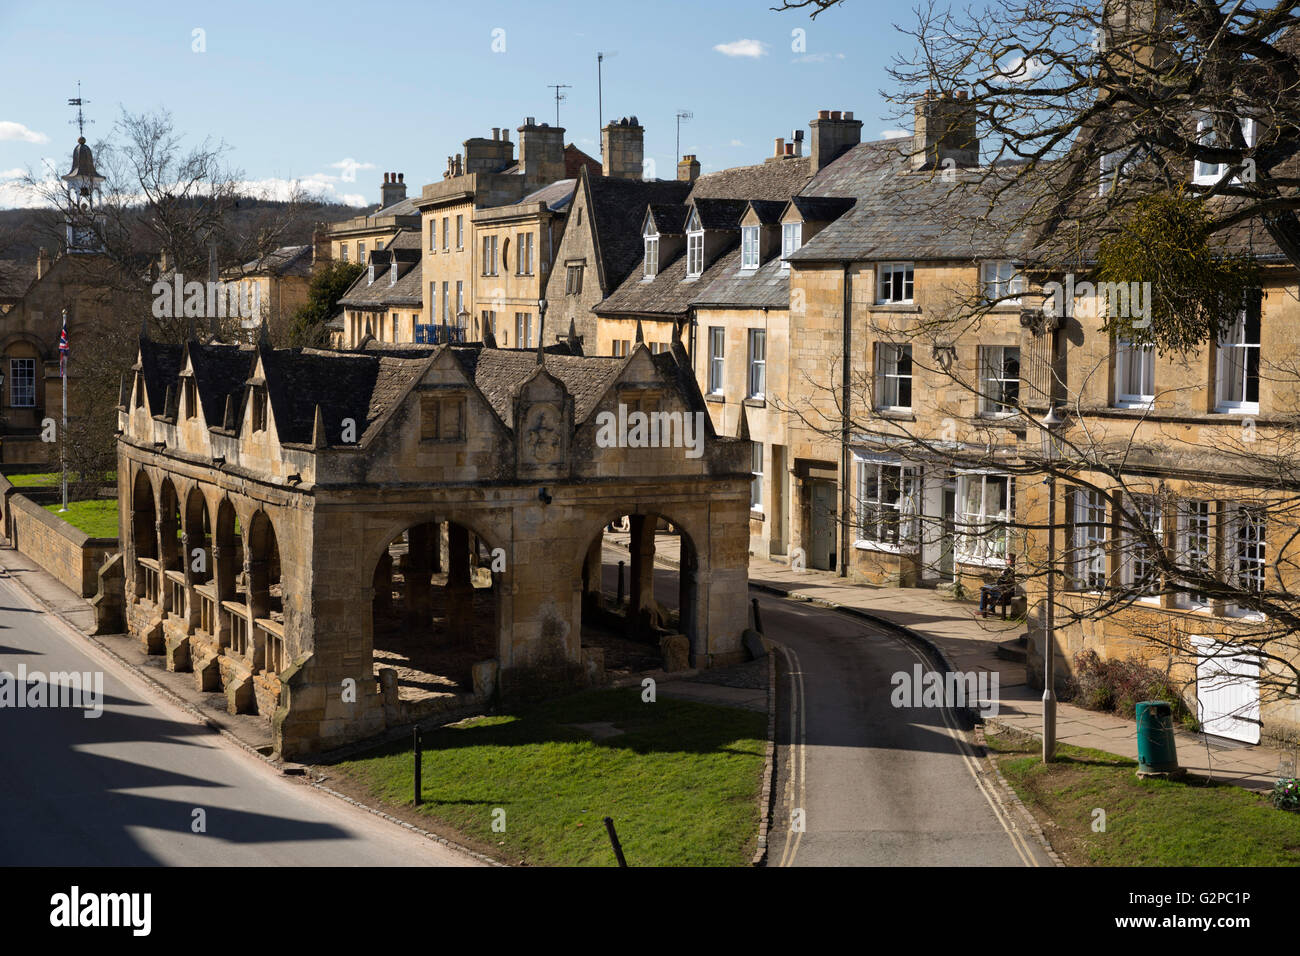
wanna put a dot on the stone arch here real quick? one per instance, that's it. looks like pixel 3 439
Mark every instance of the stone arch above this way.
pixel 197 533
pixel 642 619
pixel 144 536
pixel 227 547
pixel 437 608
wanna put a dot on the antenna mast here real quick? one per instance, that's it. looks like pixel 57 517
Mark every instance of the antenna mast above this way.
pixel 559 97
pixel 681 115
pixel 81 120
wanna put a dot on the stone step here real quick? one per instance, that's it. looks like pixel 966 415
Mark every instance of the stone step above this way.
pixel 1016 649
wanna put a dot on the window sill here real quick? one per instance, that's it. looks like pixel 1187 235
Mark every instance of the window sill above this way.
pixel 883 547
pixel 896 414
pixel 974 562
pixel 716 397
pixel 909 306
pixel 755 401
pixel 1250 409
pixel 756 515
pixel 1136 404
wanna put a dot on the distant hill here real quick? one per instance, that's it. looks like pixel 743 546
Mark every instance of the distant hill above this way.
pixel 24 231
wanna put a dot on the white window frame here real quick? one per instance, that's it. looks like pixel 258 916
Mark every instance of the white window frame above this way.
pixel 756 481
pixel 1003 282
pixel 22 382
pixel 1233 347
pixel 446 234
pixel 1131 358
pixel 982 536
pixel 1195 546
pixel 1247 553
pixel 889 378
pixel 791 241
pixel 343 251
pixel 995 387
pixel 460 298
pixel 523 330
pixel 1149 510
pixel 749 248
pixel 489 255
pixel 460 232
pixel 888 491
pixel 1090 537
pixel 717 359
pixel 1206 174
pixel 651 237
pixel 756 363
pixel 895 283
pixel 392 273
pixel 694 247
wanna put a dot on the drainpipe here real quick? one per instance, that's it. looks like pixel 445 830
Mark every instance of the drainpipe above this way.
pixel 845 413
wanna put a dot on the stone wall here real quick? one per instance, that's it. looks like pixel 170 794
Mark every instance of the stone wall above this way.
pixel 66 552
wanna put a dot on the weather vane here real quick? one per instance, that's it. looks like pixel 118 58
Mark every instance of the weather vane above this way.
pixel 81 120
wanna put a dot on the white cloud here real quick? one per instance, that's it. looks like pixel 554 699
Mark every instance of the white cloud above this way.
pixel 894 134
pixel 350 167
pixel 17 132
pixel 1020 69
pixel 750 48
pixel 322 186
pixel 14 173
pixel 736 142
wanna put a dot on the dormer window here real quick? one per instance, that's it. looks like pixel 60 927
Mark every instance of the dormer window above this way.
pixel 1207 174
pixel 791 240
pixel 392 272
pixel 371 275
pixel 651 236
pixel 694 246
pixel 749 247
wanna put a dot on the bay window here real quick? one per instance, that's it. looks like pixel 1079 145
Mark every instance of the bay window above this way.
pixel 986 505
pixel 887 496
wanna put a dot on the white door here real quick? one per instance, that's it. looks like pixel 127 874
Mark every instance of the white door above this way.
pixel 1227 688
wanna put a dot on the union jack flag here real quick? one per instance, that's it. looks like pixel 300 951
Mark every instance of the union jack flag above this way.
pixel 63 347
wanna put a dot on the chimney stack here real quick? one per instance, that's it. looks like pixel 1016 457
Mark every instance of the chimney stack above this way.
pixel 42 262
pixel 541 152
pixel 320 247
pixel 833 134
pixel 393 190
pixel 945 130
pixel 622 145
pixel 688 168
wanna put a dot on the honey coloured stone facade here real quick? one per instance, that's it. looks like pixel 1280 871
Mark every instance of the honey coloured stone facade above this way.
pixel 292 519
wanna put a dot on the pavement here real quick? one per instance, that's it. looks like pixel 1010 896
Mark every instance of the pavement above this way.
pixel 146 782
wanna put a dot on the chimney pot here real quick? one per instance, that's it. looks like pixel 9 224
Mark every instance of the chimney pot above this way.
pixel 780 146
pixel 401 177
pixel 848 115
pixel 496 133
pixel 835 114
pixel 823 114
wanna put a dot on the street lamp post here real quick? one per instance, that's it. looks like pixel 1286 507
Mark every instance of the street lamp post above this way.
pixel 1051 434
pixel 541 326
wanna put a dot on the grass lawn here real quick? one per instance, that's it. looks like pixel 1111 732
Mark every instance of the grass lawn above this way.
pixel 97 518
pixel 1148 822
pixel 681 782
pixel 44 478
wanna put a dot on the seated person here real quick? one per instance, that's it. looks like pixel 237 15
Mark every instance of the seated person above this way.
pixel 1001 590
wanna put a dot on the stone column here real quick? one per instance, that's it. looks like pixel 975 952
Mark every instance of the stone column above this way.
pixel 437 538
pixel 383 584
pixel 641 583
pixel 460 586
pixel 592 585
pixel 416 570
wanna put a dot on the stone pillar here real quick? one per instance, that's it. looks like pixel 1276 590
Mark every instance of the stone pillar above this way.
pixel 383 584
pixel 439 535
pixel 460 585
pixel 416 570
pixel 641 584
pixel 592 585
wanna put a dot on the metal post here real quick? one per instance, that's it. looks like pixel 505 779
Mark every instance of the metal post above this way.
pixel 1049 635
pixel 418 762
pixel 758 621
pixel 621 565
pixel 63 436
pixel 613 839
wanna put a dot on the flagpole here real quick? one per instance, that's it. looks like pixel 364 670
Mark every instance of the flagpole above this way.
pixel 63 436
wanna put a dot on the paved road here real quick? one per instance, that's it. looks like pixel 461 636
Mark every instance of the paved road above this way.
pixel 877 785
pixel 122 789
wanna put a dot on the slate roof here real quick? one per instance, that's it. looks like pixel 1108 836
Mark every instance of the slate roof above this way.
pixel 767 287
pixel 822 208
pixel 776 181
pixel 380 294
pixel 286 260
pixel 901 214
pixel 617 211
pixel 159 366
pixel 497 372
pixel 558 195
pixel 403 207
pixel 16 277
pixel 219 371
pixel 668 220
pixel 721 199
pixel 768 211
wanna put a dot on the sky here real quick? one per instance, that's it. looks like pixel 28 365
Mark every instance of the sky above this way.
pixel 333 95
